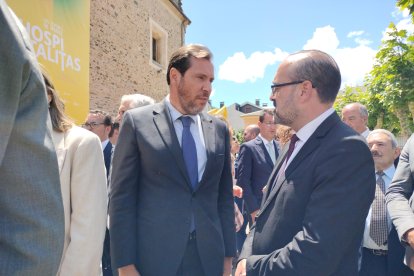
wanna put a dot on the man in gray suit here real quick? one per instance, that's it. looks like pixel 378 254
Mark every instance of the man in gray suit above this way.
pixel 400 198
pixel 31 208
pixel 313 214
pixel 171 206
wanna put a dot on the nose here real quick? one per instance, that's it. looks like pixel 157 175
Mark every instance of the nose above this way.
pixel 207 86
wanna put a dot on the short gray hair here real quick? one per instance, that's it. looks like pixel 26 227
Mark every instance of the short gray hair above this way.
pixel 363 111
pixel 137 100
pixel 386 132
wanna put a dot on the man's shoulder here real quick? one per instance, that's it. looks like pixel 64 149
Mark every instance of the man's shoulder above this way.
pixel 253 143
pixel 147 110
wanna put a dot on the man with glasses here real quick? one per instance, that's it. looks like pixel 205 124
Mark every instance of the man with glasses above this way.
pixel 100 123
pixel 256 160
pixel 312 218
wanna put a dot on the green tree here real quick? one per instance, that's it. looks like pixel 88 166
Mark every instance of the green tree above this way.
pixel 390 83
pixel 407 4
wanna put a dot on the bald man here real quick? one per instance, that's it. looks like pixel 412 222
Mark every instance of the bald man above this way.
pixel 355 115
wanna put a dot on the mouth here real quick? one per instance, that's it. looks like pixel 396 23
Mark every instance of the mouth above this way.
pixel 203 99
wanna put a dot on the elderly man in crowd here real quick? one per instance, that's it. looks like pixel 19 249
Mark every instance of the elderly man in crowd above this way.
pixel 355 115
pixel 382 253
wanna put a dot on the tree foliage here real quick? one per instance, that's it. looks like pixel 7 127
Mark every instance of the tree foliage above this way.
pixel 388 91
pixel 391 83
pixel 407 4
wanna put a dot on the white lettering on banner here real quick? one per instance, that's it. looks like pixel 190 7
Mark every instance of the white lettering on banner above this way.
pixel 48 44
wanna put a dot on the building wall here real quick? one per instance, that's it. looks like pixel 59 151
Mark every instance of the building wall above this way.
pixel 120 49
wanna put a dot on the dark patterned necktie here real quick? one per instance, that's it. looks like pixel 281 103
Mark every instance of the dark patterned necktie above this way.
pixel 379 226
pixel 292 144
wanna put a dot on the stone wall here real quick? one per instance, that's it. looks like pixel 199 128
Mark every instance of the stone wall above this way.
pixel 120 49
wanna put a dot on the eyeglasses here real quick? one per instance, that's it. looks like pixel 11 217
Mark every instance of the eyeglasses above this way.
pixel 274 86
pixel 91 125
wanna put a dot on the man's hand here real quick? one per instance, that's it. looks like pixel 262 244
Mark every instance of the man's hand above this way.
pixel 237 191
pixel 227 266
pixel 409 237
pixel 128 270
pixel 241 268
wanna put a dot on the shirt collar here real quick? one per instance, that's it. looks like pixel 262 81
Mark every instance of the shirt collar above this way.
pixel 389 172
pixel 265 141
pixel 307 130
pixel 104 143
pixel 365 133
pixel 175 114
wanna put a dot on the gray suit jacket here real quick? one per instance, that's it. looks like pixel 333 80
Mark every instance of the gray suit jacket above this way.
pixel 400 195
pixel 312 220
pixel 31 209
pixel 151 200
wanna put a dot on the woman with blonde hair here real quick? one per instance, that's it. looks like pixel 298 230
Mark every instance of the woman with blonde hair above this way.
pixel 83 184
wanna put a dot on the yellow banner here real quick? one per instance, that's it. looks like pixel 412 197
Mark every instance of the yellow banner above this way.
pixel 59 30
pixel 222 112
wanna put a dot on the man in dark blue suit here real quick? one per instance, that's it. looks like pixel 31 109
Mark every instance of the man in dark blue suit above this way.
pixel 100 123
pixel 256 161
pixel 312 217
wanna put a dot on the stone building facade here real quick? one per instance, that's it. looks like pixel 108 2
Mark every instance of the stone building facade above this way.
pixel 130 43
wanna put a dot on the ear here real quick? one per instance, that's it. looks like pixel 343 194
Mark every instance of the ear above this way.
pixel 397 152
pixel 175 75
pixel 107 129
pixel 307 91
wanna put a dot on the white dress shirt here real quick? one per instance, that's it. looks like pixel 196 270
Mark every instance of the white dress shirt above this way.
pixel 272 144
pixel 197 132
pixel 306 132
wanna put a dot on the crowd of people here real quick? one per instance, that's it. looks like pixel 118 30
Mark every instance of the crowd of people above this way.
pixel 166 189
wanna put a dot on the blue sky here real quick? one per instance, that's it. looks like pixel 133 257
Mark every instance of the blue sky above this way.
pixel 250 38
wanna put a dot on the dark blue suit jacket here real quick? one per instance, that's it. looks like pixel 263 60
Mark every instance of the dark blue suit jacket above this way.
pixel 107 157
pixel 254 169
pixel 313 216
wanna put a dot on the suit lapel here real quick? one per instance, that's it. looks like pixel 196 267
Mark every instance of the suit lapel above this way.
pixel 59 142
pixel 275 146
pixel 209 135
pixel 163 123
pixel 270 189
pixel 265 153
pixel 308 148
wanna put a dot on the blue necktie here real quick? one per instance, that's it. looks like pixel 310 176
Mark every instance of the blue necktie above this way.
pixel 189 151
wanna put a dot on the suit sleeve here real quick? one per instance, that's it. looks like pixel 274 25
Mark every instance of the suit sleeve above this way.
pixel 123 196
pixel 401 190
pixel 226 203
pixel 244 178
pixel 342 192
pixel 15 71
pixel 88 196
